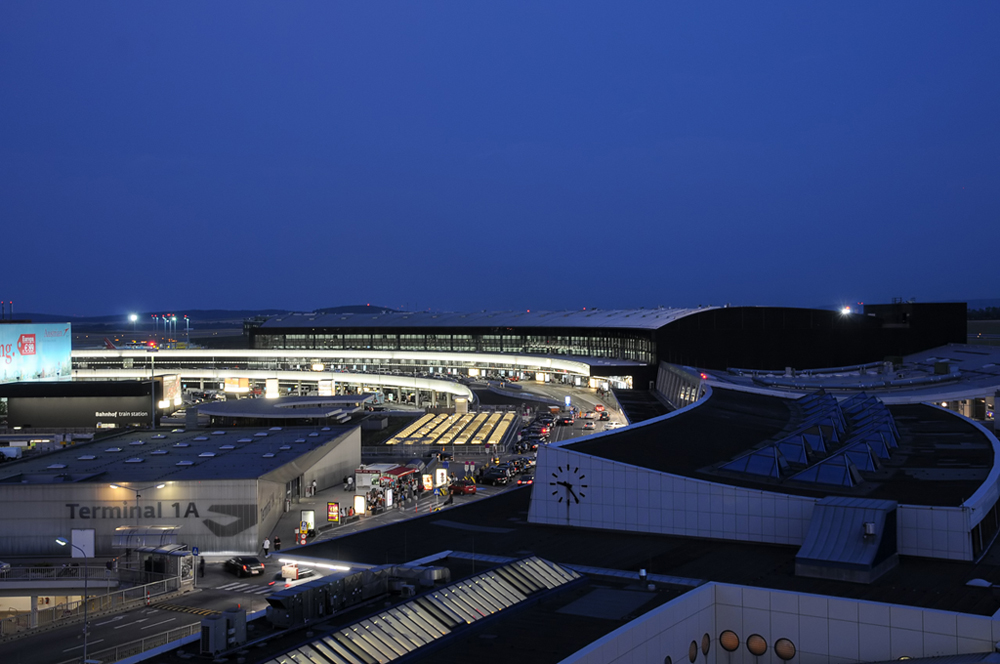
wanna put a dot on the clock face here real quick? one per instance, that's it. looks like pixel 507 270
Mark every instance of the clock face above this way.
pixel 568 485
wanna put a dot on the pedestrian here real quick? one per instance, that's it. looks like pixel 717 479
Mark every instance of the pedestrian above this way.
pixel 313 487
pixel 277 544
pixel 267 548
pixel 201 568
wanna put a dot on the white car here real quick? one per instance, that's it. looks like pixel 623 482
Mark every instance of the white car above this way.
pixel 612 425
pixel 589 426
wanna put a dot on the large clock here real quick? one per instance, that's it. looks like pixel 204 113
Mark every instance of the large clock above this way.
pixel 567 485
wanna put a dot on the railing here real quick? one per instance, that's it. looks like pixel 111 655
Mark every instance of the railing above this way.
pixel 118 600
pixel 135 647
pixel 66 572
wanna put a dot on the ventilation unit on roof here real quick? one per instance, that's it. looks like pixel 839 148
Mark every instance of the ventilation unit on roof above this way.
pixel 158 452
pixel 56 466
pixel 184 463
pixel 133 460
pixel 260 434
pixel 207 454
pixel 227 447
pixel 268 455
pixel 285 447
pixel 182 444
pixel 137 442
pixel 275 429
pixel 86 457
pixel 325 429
pixel 245 440
pixel 113 449
pixel 313 434
pixel 201 437
pixel 177 431
pixel 218 433
pixel 159 436
pixel 300 440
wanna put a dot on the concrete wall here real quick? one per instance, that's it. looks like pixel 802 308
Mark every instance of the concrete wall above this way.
pixel 822 629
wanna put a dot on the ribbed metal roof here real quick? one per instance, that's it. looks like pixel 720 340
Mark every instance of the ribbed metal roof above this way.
pixel 836 531
pixel 646 319
pixel 146 457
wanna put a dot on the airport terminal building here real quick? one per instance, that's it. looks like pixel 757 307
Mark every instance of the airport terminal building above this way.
pixel 220 491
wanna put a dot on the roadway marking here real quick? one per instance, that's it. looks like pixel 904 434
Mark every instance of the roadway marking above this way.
pixel 136 622
pixel 108 622
pixel 89 643
pixel 159 623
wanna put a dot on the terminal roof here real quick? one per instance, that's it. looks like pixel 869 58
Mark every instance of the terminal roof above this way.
pixel 941 460
pixel 648 319
pixel 498 526
pixel 149 457
pixel 290 408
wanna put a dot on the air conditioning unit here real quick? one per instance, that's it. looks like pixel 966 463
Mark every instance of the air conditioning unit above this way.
pixel 406 590
pixel 213 634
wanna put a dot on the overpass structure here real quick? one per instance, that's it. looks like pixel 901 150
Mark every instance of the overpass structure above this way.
pixel 430 377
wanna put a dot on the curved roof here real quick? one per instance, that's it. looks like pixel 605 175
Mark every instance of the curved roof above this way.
pixel 647 319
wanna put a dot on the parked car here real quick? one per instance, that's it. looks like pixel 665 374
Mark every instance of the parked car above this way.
pixel 495 476
pixel 463 487
pixel 244 566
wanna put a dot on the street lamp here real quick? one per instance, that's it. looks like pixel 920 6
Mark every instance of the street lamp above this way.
pixel 62 541
pixel 133 318
pixel 138 494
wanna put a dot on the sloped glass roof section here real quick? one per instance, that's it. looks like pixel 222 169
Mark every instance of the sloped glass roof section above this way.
pixel 403 629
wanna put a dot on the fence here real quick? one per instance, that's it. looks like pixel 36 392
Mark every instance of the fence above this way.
pixel 116 653
pixel 50 573
pixel 71 611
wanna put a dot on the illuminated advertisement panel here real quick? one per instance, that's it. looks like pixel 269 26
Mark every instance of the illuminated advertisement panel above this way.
pixel 35 352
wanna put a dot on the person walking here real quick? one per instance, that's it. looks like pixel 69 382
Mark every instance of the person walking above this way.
pixel 277 544
pixel 267 548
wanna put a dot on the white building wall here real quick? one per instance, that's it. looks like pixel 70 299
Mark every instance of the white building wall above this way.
pixel 935 532
pixel 823 629
pixel 619 496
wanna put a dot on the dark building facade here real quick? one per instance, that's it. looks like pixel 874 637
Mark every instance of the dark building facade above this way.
pixel 712 338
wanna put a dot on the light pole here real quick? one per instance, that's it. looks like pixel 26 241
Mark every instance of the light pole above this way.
pixel 138 495
pixel 62 541
pixel 133 318
pixel 152 387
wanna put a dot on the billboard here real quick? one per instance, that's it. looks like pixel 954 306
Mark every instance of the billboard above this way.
pixel 35 352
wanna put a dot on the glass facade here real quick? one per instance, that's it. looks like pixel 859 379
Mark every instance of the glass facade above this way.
pixel 633 345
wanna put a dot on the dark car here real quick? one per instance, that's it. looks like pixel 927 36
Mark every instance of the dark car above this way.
pixel 244 566
pixel 463 487
pixel 604 416
pixel 495 476
pixel 525 480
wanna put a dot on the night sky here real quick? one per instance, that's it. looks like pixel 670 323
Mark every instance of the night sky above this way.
pixel 483 155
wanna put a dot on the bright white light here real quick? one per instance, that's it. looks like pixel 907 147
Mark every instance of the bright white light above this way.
pixel 133 317
pixel 62 541
pixel 160 486
pixel 303 563
pixel 317 367
pixel 115 486
pixel 845 310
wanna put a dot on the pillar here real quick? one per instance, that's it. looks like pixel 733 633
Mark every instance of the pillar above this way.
pixel 34 611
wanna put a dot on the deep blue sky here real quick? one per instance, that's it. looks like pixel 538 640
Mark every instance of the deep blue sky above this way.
pixel 482 155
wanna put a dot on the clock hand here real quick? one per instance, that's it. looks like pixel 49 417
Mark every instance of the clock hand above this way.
pixel 569 487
